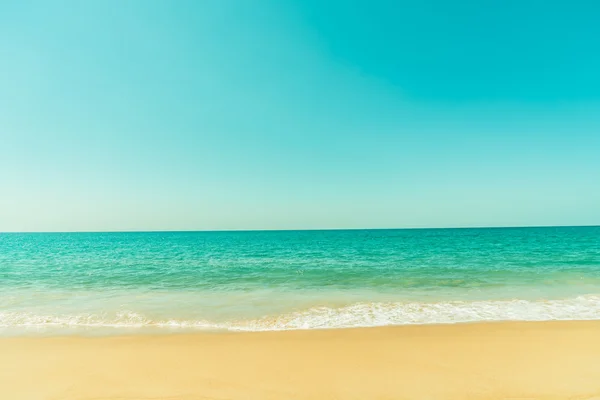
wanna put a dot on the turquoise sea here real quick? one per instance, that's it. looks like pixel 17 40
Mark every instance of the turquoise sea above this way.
pixel 115 283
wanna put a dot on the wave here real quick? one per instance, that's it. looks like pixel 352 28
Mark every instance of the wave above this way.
pixel 354 315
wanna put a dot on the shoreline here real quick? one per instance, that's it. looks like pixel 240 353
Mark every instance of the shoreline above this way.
pixel 108 332
pixel 482 360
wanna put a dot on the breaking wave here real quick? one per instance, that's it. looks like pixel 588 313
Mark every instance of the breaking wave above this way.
pixel 354 315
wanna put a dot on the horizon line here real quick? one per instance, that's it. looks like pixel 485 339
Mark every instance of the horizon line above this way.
pixel 312 229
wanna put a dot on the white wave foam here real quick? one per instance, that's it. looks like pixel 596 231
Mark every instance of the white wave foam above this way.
pixel 355 315
pixel 382 314
pixel 123 319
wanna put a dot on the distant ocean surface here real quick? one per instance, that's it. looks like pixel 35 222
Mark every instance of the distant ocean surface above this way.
pixel 115 283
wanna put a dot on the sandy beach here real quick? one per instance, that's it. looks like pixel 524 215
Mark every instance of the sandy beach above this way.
pixel 531 360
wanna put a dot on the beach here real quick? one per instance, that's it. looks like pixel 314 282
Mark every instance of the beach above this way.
pixel 370 314
pixel 304 200
pixel 500 360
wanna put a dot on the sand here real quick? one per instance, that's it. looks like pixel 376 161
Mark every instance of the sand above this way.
pixel 535 360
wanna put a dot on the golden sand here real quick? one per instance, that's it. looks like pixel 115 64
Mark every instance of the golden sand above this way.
pixel 536 360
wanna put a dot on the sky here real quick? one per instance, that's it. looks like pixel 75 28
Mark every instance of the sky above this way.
pixel 298 114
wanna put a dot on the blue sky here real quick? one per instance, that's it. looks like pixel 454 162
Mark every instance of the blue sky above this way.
pixel 217 114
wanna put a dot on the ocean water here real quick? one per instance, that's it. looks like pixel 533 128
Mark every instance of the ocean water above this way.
pixel 115 283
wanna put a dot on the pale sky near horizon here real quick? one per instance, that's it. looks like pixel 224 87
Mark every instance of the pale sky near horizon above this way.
pixel 222 114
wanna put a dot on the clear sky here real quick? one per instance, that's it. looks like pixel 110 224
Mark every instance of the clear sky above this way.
pixel 281 114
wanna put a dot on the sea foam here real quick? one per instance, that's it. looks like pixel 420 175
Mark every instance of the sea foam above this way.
pixel 324 317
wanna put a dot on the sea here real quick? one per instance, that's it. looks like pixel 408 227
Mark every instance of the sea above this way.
pixel 165 282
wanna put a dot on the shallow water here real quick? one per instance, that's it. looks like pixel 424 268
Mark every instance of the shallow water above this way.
pixel 116 282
